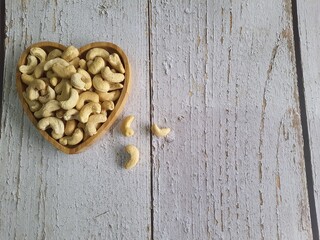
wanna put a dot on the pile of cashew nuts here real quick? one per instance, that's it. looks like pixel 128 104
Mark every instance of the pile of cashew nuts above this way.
pixel 73 96
pixel 69 95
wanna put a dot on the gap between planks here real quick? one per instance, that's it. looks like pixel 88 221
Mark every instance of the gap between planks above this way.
pixel 2 47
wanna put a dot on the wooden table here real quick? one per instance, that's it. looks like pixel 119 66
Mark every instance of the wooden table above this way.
pixel 237 81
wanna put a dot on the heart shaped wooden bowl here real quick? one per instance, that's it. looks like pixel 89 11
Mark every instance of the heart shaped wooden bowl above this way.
pixel 119 104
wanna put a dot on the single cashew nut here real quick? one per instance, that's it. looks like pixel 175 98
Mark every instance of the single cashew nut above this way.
pixel 88 109
pixel 134 156
pixel 34 88
pixel 94 120
pixel 83 64
pixel 86 78
pixel 26 78
pixel 107 106
pixel 87 97
pixel 62 71
pixel 38 71
pixel 74 139
pixel 47 109
pixel 110 76
pixel 70 53
pixel 126 126
pixel 159 132
pixel 71 114
pixel 53 81
pixel 54 123
pixel 70 127
pixel 111 96
pixel 38 53
pixel 71 102
pixel 97 52
pixel 34 105
pixel 64 88
pixel 97 65
pixel 76 81
pixel 115 86
pixel 100 84
pixel 49 64
pixel 31 65
pixel 51 94
pixel 55 53
pixel 116 63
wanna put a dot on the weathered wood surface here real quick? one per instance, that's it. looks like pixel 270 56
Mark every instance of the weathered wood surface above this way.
pixel 309 31
pixel 224 79
pixel 45 194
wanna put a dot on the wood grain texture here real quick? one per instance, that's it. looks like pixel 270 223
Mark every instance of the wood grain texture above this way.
pixel 45 194
pixel 309 31
pixel 224 79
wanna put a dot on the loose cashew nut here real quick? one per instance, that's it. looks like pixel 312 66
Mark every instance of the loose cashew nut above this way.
pixel 88 109
pixel 96 66
pixel 111 96
pixel 54 54
pixel 126 126
pixel 110 76
pixel 116 63
pixel 83 64
pixel 97 52
pixel 71 114
pixel 48 65
pixel 38 71
pixel 77 82
pixel 54 123
pixel 74 139
pixel 85 78
pixel 71 102
pixel 62 71
pixel 26 78
pixel 34 87
pixel 64 88
pixel 51 94
pixel 159 132
pixel 38 53
pixel 94 120
pixel 70 53
pixel 100 84
pixel 47 109
pixel 31 65
pixel 70 127
pixel 87 97
pixel 134 156
pixel 34 105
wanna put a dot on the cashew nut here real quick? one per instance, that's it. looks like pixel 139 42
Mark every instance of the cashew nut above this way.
pixel 74 139
pixel 126 126
pixel 71 114
pixel 34 87
pixel 70 127
pixel 75 62
pixel 54 123
pixel 107 106
pixel 86 78
pixel 71 102
pixel 159 132
pixel 116 63
pixel 64 88
pixel 38 53
pixel 115 86
pixel 134 156
pixel 89 63
pixel 47 109
pixel 31 65
pixel 38 71
pixel 51 74
pixel 111 96
pixel 62 71
pixel 48 65
pixel 83 64
pixel 94 120
pixel 97 52
pixel 55 53
pixel 53 81
pixel 100 84
pixel 110 76
pixel 70 53
pixel 51 94
pixel 87 97
pixel 34 105
pixel 88 109
pixel 77 82
pixel 96 66
pixel 27 79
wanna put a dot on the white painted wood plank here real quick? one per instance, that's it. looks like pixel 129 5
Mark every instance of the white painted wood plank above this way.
pixel 309 30
pixel 224 80
pixel 45 194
